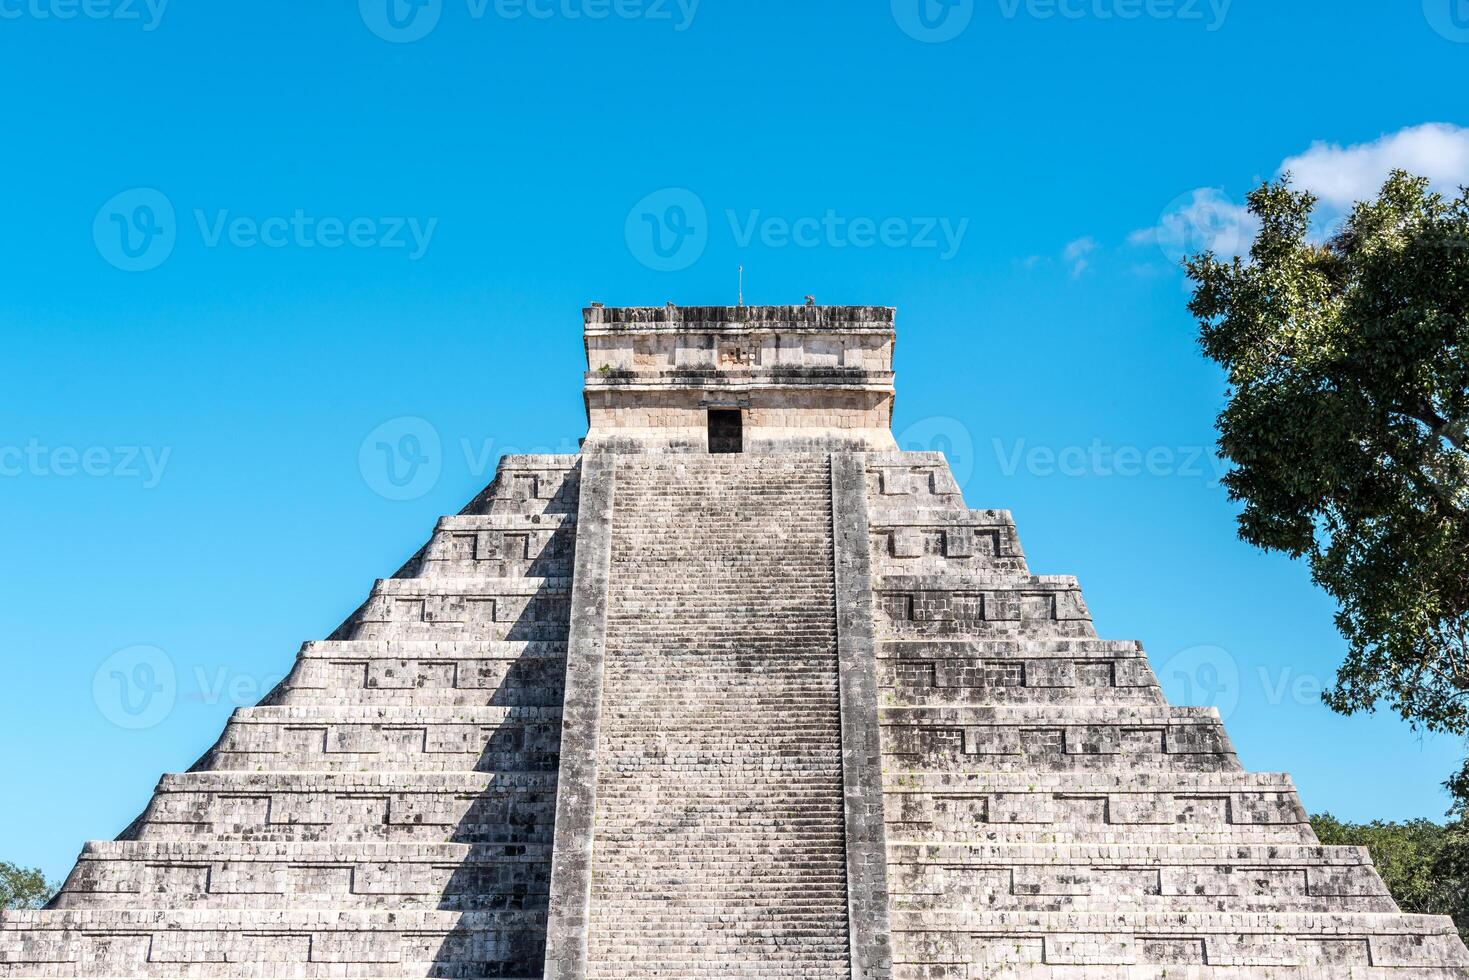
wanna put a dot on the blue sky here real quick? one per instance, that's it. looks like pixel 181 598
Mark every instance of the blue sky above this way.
pixel 335 219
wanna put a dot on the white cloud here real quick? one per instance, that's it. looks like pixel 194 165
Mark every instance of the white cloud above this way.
pixel 1076 254
pixel 1341 175
pixel 1208 219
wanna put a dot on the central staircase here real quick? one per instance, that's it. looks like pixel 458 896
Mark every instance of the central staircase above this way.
pixel 719 825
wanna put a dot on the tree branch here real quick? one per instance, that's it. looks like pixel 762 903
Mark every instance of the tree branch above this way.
pixel 1439 427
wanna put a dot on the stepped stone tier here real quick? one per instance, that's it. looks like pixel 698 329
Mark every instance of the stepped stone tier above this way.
pixel 739 691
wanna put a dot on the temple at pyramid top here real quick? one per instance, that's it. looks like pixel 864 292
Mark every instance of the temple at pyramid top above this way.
pixel 756 379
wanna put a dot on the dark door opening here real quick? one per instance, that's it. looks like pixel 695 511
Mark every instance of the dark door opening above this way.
pixel 726 431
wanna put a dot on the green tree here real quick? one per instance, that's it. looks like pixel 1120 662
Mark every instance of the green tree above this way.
pixel 21 888
pixel 1425 866
pixel 1348 428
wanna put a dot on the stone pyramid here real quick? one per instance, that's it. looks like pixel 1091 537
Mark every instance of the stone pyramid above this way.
pixel 784 709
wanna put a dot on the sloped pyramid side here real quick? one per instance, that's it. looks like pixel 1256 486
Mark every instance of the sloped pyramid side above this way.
pixel 387 811
pixel 1049 815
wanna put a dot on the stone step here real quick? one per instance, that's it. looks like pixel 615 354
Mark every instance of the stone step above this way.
pixel 1131 855
pixel 531 484
pixel 340 875
pixel 1066 715
pixel 1144 807
pixel 342 807
pixel 1004 891
pixel 1055 737
pixel 999 686
pixel 467 589
pixel 1102 784
pixel 929 541
pixel 444 649
pixel 669 900
pixel 910 480
pixel 1031 971
pixel 469 608
pixel 1189 944
pixel 500 545
pixel 931 648
pixel 389 738
pixel 246 943
pixel 959 671
pixel 913 606
pixel 357 714
pixel 1092 877
pixel 426 673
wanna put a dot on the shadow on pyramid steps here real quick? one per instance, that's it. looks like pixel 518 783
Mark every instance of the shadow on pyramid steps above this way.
pixel 502 887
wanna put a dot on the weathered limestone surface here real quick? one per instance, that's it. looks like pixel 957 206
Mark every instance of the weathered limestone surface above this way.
pixel 719 820
pixel 388 811
pixel 1049 815
pixel 794 713
pixel 867 884
pixel 804 378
